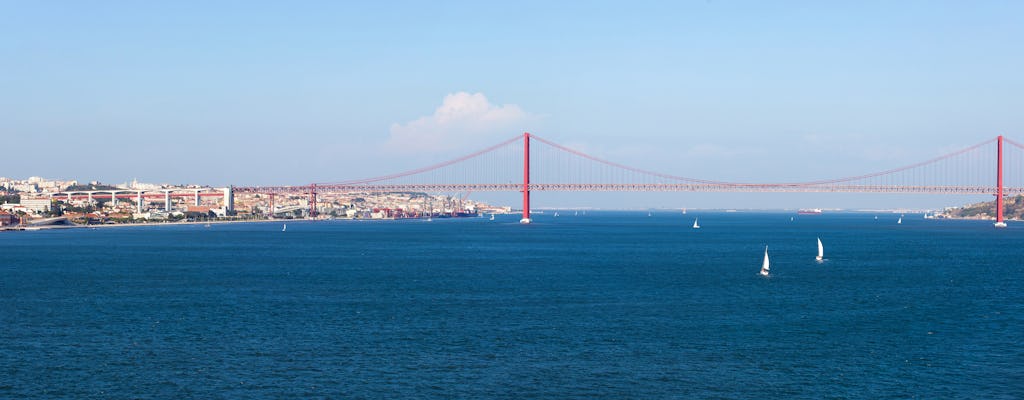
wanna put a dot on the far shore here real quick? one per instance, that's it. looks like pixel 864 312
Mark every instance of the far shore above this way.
pixel 78 226
pixel 263 221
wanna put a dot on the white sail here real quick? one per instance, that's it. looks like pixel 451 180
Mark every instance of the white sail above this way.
pixel 695 226
pixel 899 221
pixel 821 250
pixel 284 227
pixel 764 265
pixel 492 217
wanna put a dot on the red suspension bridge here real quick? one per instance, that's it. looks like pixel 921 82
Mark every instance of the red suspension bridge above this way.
pixel 512 166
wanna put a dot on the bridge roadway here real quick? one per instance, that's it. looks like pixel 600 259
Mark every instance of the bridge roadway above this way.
pixel 631 187
pixel 139 195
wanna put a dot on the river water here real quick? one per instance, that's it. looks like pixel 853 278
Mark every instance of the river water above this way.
pixel 600 305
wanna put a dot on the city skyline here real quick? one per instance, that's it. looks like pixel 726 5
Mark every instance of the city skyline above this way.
pixel 268 94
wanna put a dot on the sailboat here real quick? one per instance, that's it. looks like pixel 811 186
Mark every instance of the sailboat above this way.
pixel 764 265
pixel 821 251
pixel 695 226
pixel 576 214
pixel 556 213
pixel 284 227
pixel 492 217
pixel 899 221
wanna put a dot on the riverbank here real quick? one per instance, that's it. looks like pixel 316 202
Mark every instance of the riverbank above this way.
pixel 79 226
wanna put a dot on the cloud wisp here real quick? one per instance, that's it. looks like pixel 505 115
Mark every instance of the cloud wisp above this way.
pixel 462 119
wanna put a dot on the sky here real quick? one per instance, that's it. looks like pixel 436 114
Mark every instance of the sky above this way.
pixel 270 93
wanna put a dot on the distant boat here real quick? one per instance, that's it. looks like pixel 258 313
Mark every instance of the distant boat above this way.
pixel 811 211
pixel 429 219
pixel 876 217
pixel 695 226
pixel 284 227
pixel 764 264
pixel 556 213
pixel 899 221
pixel 207 225
pixel 577 213
pixel 790 218
pixel 492 217
pixel 821 251
pixel 648 214
pixel 684 211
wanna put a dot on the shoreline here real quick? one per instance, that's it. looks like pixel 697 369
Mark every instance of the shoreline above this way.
pixel 137 224
pixel 284 221
pixel 80 226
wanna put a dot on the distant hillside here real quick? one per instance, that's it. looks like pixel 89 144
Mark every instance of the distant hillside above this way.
pixel 83 187
pixel 1013 208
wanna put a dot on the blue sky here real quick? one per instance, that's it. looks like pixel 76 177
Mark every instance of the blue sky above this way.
pixel 259 93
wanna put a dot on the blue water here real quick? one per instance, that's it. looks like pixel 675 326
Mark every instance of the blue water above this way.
pixel 603 305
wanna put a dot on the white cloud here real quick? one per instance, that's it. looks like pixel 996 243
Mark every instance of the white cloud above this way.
pixel 462 119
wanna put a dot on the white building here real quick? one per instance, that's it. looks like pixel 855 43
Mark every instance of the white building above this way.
pixel 36 205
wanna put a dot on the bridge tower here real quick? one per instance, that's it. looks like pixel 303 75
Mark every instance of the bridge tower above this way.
pixel 526 179
pixel 999 184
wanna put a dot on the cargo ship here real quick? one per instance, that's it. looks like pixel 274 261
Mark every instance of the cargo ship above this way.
pixel 812 211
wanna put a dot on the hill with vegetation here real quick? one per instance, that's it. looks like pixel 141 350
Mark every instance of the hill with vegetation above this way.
pixel 1013 208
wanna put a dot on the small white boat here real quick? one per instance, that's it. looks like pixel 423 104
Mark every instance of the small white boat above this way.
pixel 556 213
pixel 695 226
pixel 899 221
pixel 648 214
pixel 284 227
pixel 764 264
pixel 821 251
pixel 492 217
